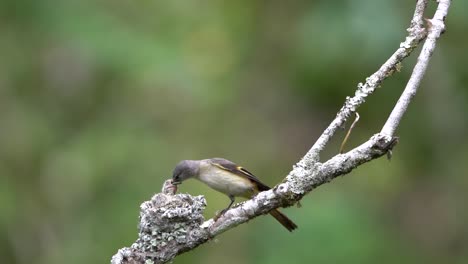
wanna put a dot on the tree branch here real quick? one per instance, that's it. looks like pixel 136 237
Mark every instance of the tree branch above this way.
pixel 173 224
pixel 436 28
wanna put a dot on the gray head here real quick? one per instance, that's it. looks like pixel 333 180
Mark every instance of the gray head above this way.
pixel 184 170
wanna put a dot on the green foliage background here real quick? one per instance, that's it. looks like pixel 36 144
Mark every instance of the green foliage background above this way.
pixel 100 99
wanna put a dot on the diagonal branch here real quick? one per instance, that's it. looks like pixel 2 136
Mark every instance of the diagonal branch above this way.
pixel 436 29
pixel 173 224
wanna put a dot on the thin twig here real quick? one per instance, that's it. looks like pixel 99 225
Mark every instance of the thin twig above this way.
pixel 349 133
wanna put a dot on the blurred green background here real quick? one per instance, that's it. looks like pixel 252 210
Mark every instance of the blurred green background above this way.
pixel 100 99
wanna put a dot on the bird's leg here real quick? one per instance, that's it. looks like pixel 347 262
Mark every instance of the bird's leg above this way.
pixel 217 216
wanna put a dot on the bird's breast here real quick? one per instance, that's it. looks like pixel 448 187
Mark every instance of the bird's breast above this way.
pixel 226 182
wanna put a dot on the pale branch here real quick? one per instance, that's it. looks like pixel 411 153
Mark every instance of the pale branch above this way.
pixel 173 224
pixel 436 27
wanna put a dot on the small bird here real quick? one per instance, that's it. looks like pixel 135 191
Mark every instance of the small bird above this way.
pixel 169 188
pixel 226 177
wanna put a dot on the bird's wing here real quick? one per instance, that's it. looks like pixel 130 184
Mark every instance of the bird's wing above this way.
pixel 238 170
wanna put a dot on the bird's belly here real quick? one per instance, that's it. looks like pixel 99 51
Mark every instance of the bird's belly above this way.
pixel 227 183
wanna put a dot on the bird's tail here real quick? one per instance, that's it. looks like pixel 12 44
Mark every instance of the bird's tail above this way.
pixel 284 220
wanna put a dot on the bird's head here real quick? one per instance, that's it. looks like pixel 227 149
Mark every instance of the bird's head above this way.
pixel 184 170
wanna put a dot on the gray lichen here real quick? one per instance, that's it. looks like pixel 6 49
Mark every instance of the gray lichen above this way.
pixel 165 221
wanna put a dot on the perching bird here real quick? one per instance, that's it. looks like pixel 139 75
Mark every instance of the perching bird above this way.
pixel 226 177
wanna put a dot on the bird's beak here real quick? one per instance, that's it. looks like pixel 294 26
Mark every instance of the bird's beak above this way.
pixel 176 183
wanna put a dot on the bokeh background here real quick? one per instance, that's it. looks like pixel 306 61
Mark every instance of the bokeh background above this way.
pixel 100 99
